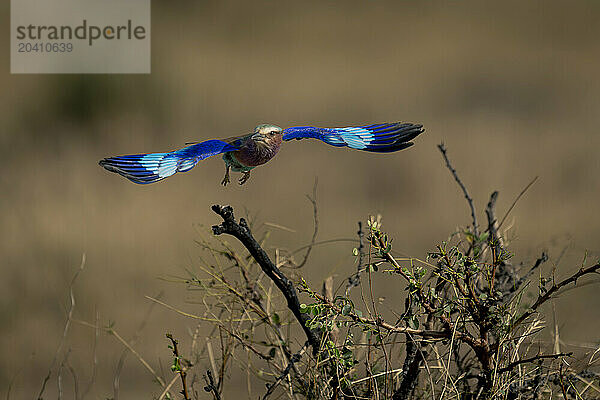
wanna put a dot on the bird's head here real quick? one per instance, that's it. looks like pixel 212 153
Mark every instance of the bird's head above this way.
pixel 267 134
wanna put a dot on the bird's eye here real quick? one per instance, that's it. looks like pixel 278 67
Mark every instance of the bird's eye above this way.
pixel 272 133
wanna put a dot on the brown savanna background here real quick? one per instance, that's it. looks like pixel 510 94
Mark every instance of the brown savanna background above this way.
pixel 511 87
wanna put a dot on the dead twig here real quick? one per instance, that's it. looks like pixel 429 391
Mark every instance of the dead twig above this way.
pixel 492 221
pixel 94 359
pixel 514 364
pixel 125 352
pixel 210 385
pixel 66 328
pixel 168 387
pixel 313 240
pixel 516 200
pixel 443 150
pixel 294 359
pixel 354 280
pixel 111 331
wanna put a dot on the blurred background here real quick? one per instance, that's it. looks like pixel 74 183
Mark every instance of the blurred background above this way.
pixel 510 87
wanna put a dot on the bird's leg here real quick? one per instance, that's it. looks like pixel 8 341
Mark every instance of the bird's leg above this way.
pixel 226 180
pixel 244 177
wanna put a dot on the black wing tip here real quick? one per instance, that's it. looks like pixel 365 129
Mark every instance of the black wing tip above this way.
pixel 409 126
pixel 107 164
pixel 400 129
pixel 407 131
pixel 398 137
pixel 391 148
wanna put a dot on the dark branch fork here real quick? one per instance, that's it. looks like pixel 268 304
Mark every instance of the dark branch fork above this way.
pixel 242 232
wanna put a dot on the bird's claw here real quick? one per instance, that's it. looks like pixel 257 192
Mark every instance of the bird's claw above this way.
pixel 225 180
pixel 244 178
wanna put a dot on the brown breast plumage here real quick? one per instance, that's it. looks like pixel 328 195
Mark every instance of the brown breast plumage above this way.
pixel 253 153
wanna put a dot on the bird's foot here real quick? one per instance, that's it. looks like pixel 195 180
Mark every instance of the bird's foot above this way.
pixel 244 178
pixel 225 180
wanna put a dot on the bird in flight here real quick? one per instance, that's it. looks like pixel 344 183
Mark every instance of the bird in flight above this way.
pixel 246 152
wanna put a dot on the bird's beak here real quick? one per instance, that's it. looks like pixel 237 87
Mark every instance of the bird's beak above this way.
pixel 258 137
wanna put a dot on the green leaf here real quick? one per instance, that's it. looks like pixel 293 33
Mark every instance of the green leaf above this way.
pixel 303 308
pixel 175 366
pixel 275 318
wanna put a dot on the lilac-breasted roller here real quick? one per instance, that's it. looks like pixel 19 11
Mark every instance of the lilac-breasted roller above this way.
pixel 246 152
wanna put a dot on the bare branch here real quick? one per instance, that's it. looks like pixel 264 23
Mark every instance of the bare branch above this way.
pixel 241 231
pixel 313 240
pixel 462 186
pixel 514 364
pixel 557 286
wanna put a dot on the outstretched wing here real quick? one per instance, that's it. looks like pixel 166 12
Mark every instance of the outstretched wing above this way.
pixel 153 167
pixel 380 138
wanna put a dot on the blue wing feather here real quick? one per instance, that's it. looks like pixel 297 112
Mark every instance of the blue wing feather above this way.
pixel 380 138
pixel 153 167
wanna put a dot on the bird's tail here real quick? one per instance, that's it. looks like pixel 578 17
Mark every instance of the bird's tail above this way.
pixel 148 168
